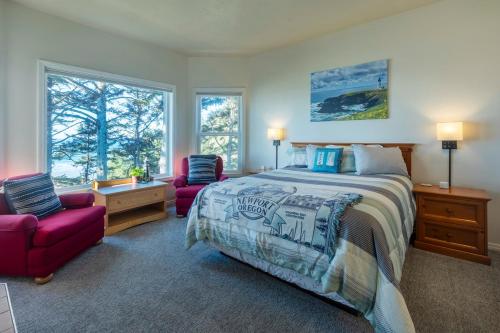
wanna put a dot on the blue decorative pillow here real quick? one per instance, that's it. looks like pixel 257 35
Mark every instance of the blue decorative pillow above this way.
pixel 327 159
pixel 33 195
pixel 202 169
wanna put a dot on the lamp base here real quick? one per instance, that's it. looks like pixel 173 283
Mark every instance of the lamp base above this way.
pixel 276 143
pixel 447 144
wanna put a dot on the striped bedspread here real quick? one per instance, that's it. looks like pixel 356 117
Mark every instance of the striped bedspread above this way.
pixel 350 233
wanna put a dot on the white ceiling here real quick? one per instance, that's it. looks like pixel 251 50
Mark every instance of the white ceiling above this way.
pixel 205 27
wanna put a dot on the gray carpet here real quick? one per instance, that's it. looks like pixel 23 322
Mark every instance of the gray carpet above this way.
pixel 142 280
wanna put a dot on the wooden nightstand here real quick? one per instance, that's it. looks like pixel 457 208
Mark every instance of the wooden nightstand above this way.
pixel 453 222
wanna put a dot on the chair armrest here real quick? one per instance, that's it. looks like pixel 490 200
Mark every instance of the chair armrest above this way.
pixel 77 200
pixel 180 181
pixel 223 177
pixel 16 233
pixel 23 222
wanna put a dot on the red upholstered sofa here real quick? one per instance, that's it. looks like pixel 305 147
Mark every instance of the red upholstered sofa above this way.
pixel 185 193
pixel 37 248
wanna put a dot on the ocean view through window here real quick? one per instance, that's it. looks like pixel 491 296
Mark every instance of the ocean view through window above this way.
pixel 100 129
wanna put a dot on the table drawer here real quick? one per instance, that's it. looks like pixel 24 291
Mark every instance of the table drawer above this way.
pixel 460 211
pixel 134 199
pixel 461 239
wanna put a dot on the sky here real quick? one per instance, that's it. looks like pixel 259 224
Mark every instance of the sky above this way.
pixel 352 76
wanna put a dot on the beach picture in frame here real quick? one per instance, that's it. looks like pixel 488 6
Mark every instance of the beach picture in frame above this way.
pixel 350 93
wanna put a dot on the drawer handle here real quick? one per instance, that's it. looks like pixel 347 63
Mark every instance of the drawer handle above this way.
pixel 118 202
pixel 448 235
pixel 449 211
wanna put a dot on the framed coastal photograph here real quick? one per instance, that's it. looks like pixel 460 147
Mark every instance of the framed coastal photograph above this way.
pixel 350 93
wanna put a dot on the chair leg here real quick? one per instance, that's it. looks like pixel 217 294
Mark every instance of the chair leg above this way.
pixel 45 279
pixel 99 242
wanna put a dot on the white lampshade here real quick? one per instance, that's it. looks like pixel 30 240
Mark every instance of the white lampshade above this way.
pixel 275 133
pixel 450 131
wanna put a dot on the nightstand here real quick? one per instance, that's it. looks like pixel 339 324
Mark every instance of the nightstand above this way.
pixel 453 222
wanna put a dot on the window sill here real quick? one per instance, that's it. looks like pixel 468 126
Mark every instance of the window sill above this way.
pixel 81 189
pixel 88 188
pixel 166 179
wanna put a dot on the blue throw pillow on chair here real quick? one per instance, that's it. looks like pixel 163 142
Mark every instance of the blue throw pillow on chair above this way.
pixel 202 169
pixel 33 195
pixel 328 160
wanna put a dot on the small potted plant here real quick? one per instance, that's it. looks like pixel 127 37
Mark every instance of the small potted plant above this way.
pixel 136 173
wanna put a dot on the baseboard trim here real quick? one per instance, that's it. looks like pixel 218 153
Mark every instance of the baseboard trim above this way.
pixel 494 246
pixel 453 252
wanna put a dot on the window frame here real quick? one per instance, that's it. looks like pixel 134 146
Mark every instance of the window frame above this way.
pixel 198 92
pixel 47 67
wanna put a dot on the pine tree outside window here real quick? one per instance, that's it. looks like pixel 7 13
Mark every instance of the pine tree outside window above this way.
pixel 219 118
pixel 99 125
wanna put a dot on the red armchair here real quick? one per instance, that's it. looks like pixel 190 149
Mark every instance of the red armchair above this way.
pixel 184 193
pixel 37 248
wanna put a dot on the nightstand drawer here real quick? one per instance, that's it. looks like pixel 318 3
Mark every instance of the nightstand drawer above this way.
pixel 460 239
pixel 461 211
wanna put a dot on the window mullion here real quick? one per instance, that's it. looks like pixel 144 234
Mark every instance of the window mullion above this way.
pixel 219 133
pixel 211 104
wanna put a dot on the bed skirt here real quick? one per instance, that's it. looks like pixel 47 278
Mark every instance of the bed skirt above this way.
pixel 285 274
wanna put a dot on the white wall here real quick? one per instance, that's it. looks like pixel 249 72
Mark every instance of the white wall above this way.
pixel 222 72
pixel 3 54
pixel 444 66
pixel 32 35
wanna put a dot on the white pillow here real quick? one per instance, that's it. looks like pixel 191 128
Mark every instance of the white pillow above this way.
pixel 374 160
pixel 298 157
pixel 347 164
pixel 310 154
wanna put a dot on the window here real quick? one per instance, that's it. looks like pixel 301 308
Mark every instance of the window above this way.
pixel 99 126
pixel 220 125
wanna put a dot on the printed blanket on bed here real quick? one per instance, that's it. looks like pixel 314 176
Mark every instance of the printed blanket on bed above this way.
pixel 350 233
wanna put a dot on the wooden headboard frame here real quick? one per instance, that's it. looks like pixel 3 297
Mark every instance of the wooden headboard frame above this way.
pixel 406 148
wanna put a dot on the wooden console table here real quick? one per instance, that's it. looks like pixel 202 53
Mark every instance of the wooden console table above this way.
pixel 128 204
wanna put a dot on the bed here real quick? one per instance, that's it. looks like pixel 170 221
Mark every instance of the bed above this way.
pixel 340 236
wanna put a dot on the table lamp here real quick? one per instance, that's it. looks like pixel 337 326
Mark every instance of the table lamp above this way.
pixel 449 134
pixel 276 134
